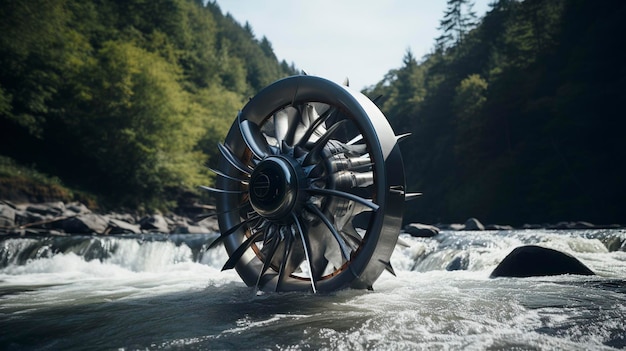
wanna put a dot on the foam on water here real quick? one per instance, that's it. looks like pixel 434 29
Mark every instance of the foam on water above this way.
pixel 165 292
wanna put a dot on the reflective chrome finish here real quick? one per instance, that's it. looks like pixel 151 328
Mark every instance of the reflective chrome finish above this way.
pixel 310 188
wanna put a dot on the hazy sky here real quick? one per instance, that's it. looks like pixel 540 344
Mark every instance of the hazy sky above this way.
pixel 359 39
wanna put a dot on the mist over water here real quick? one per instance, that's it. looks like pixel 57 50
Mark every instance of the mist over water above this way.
pixel 168 292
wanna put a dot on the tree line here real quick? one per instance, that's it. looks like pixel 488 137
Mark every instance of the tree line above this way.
pixel 516 117
pixel 125 99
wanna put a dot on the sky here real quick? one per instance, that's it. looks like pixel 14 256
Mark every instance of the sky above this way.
pixel 335 39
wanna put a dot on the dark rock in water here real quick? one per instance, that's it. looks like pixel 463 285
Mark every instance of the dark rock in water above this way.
pixel 421 230
pixel 473 224
pixel 451 226
pixel 537 261
pixel 154 223
pixel 191 229
pixel 83 224
pixel 459 263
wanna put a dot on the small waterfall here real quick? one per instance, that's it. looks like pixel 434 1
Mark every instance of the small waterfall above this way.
pixel 143 253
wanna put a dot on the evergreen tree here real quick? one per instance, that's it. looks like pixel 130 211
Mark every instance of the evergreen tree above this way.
pixel 458 19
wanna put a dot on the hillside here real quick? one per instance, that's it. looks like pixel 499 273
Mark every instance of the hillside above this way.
pixel 124 100
pixel 518 118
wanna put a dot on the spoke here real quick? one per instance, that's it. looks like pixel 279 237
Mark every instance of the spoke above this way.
pixel 345 195
pixel 284 270
pixel 355 140
pixel 317 148
pixel 222 174
pixel 232 230
pixel 342 244
pixel 253 137
pixel 271 250
pixel 234 161
pixel 307 249
pixel 222 191
pixel 236 255
pixel 319 121
pixel 208 215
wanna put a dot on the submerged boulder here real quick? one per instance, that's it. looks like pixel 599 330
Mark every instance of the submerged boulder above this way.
pixel 537 261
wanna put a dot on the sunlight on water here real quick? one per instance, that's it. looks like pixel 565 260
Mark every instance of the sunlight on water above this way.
pixel 163 292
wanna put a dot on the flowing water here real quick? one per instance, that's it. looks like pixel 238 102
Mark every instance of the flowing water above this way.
pixel 167 292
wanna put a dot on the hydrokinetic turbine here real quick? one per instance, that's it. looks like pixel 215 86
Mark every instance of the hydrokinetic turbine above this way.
pixel 310 188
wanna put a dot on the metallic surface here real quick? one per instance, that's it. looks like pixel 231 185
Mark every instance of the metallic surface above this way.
pixel 321 168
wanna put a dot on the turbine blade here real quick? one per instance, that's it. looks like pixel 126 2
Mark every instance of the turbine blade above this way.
pixel 253 137
pixel 402 137
pixel 236 255
pixel 234 161
pixel 388 267
pixel 307 249
pixel 284 270
pixel 222 191
pixel 313 156
pixel 411 196
pixel 208 215
pixel 270 245
pixel 345 251
pixel 232 230
pixel 222 174
pixel 345 195
pixel 316 124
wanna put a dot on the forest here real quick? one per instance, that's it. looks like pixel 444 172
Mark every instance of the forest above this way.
pixel 516 117
pixel 121 101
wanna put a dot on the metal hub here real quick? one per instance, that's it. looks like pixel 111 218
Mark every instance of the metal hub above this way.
pixel 274 187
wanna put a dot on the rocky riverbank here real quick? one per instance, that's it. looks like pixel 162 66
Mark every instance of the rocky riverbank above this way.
pixel 59 218
pixel 427 230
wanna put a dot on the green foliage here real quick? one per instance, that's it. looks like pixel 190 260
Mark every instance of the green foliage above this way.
pixel 126 99
pixel 521 120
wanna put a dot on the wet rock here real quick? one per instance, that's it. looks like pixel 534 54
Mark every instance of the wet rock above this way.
pixel 124 217
pixel 459 263
pixel 116 226
pixel 473 224
pixel 421 230
pixel 88 223
pixel 536 261
pixel 47 209
pixel 614 243
pixel 191 229
pixel 154 223
pixel 77 208
pixel 451 226
pixel 498 227
pixel 572 225
pixel 7 215
pixel 211 224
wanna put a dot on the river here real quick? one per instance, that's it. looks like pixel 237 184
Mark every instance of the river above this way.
pixel 166 292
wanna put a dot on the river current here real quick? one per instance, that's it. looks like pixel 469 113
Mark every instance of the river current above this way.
pixel 167 292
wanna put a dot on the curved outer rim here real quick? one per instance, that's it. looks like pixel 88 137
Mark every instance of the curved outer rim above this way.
pixel 384 227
